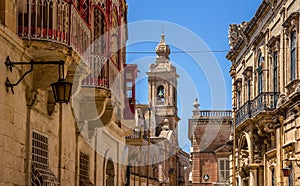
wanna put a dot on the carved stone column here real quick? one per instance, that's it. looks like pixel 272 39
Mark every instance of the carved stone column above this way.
pixel 253 176
pixel 279 140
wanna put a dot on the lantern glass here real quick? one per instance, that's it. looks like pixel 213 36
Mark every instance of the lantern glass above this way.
pixel 286 171
pixel 61 91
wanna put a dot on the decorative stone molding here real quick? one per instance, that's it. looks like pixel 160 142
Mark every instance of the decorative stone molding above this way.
pixel 292 20
pixel 236 32
pixel 248 72
pixel 281 100
pixel 272 3
pixel 238 83
pixel 292 87
pixel 272 161
pixel 232 71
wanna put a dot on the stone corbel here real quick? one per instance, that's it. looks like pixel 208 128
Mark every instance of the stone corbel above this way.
pixel 238 83
pixel 281 100
pixel 31 97
pixel 232 71
pixel 241 32
pixel 291 22
pixel 248 72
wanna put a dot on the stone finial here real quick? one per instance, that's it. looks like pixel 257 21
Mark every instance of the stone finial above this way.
pixel 165 126
pixel 196 111
pixel 196 104
pixel 162 40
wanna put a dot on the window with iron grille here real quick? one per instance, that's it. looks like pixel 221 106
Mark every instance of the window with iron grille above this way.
pixel 223 164
pixel 40 170
pixel 84 170
pixel 293 55
pixel 40 151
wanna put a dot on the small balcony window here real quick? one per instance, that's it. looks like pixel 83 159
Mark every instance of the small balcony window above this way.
pixel 260 74
pixel 293 56
pixel 223 164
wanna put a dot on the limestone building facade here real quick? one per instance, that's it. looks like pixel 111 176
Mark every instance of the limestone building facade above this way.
pixel 155 157
pixel 264 53
pixel 47 143
pixel 209 133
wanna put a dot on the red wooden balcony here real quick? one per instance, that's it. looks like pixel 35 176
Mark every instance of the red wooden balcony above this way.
pixel 99 75
pixel 55 21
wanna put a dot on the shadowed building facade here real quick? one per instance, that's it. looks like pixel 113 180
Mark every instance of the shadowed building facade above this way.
pixel 80 143
pixel 265 94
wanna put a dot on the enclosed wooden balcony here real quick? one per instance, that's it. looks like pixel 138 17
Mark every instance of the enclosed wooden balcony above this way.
pixel 265 102
pixel 99 74
pixel 52 27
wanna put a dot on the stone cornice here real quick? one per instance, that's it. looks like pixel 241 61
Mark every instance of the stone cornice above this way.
pixel 261 10
pixel 292 16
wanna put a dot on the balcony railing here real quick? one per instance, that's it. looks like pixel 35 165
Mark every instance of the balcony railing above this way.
pixel 135 138
pixel 266 101
pixel 215 113
pixel 98 78
pixel 56 21
pixel 244 112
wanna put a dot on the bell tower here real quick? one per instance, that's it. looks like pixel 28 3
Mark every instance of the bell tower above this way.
pixel 162 89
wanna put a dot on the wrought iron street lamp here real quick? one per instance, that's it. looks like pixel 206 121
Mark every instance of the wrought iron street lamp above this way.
pixel 61 89
pixel 286 171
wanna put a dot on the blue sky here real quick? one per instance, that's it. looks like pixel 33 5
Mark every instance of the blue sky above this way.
pixel 197 26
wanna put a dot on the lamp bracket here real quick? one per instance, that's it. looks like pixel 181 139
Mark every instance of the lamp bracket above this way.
pixel 294 160
pixel 10 65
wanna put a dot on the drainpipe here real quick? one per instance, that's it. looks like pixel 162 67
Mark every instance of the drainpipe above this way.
pixel 60 143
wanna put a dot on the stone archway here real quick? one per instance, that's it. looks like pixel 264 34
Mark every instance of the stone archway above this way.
pixel 110 173
pixel 243 159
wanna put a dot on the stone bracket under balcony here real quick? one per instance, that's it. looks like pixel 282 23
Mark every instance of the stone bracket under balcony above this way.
pixel 93 105
pixel 264 102
pixel 43 75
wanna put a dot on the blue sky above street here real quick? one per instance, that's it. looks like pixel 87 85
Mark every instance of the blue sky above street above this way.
pixel 207 20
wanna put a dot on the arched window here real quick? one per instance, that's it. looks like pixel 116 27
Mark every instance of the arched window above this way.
pixel 83 6
pixel 161 92
pixel 110 173
pixel 99 32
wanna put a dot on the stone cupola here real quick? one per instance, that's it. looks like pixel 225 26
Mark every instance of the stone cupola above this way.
pixel 162 49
